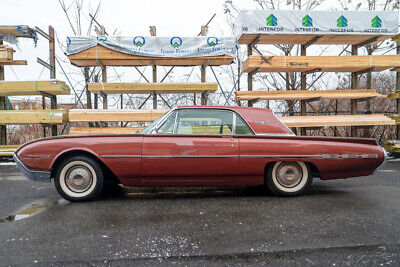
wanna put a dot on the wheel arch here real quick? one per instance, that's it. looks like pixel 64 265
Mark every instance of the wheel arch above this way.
pixel 108 174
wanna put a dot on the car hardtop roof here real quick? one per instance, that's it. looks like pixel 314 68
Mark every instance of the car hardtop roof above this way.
pixel 235 108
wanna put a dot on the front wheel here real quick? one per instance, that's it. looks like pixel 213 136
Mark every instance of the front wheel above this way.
pixel 79 178
pixel 291 178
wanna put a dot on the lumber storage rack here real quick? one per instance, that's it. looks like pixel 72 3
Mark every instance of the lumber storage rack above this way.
pixel 47 89
pixel 101 57
pixel 304 64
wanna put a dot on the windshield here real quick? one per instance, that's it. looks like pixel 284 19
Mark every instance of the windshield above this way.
pixel 149 128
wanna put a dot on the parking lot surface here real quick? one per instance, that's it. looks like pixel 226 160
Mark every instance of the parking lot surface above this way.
pixel 342 222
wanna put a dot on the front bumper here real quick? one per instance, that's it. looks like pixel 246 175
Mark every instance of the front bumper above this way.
pixel 38 176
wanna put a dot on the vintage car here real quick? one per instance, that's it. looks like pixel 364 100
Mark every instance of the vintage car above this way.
pixel 198 146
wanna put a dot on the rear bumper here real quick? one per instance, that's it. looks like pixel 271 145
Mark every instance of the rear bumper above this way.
pixel 38 176
pixel 385 157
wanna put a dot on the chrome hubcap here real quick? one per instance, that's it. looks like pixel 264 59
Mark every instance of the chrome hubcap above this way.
pixel 289 174
pixel 78 179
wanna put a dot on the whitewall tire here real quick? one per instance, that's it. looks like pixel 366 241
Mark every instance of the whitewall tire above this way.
pixel 288 178
pixel 79 178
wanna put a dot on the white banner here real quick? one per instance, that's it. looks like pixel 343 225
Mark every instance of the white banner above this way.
pixel 155 46
pixel 316 22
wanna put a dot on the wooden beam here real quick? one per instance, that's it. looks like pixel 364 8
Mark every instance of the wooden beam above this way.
pixel 85 115
pixel 337 120
pixel 302 39
pixel 4 62
pixel 309 94
pixel 104 130
pixel 326 63
pixel 7 150
pixel 148 88
pixel 21 88
pixel 108 57
pixel 47 116
pixel 18 30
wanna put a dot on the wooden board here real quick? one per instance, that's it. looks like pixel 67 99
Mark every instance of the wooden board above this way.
pixel 105 130
pixel 149 88
pixel 108 57
pixel 304 95
pixel 48 116
pixel 395 94
pixel 17 30
pixel 337 120
pixel 105 115
pixel 6 52
pixel 392 146
pixel 4 62
pixel 320 63
pixel 333 39
pixel 7 150
pixel 19 88
pixel 396 118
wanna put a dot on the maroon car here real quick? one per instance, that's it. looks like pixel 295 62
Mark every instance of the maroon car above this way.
pixel 198 146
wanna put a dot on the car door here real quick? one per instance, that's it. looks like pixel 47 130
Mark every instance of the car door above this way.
pixel 193 147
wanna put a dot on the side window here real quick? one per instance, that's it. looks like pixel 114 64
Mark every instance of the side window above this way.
pixel 241 127
pixel 168 126
pixel 204 122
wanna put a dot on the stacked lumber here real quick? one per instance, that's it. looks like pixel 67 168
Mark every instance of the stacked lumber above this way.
pixel 7 150
pixel 7 56
pixel 337 120
pixel 104 115
pixel 18 31
pixel 320 63
pixel 46 116
pixel 304 95
pixel 392 146
pixel 105 130
pixel 327 39
pixel 19 88
pixel 395 94
pixel 6 52
pixel 149 88
pixel 396 118
pixel 12 62
pixel 100 55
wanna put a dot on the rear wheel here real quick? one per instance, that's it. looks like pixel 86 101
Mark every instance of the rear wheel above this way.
pixel 79 178
pixel 291 178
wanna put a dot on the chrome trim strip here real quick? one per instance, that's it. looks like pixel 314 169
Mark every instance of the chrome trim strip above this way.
pixel 275 134
pixel 280 156
pixel 37 156
pixel 323 156
pixel 120 156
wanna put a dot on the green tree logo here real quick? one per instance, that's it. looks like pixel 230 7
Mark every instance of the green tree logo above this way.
pixel 307 21
pixel 342 21
pixel 176 42
pixel 212 41
pixel 272 20
pixel 139 41
pixel 376 22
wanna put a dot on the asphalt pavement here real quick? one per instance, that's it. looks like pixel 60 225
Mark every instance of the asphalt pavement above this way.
pixel 343 222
